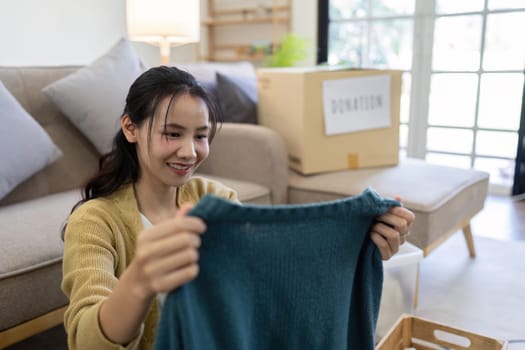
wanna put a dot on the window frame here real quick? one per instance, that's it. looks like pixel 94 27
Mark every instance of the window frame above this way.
pixel 424 19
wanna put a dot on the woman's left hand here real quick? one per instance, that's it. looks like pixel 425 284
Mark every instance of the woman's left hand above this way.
pixel 390 230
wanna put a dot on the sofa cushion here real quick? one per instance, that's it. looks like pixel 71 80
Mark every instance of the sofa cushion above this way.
pixel 80 158
pixel 94 96
pixel 237 98
pixel 31 256
pixel 240 75
pixel 26 147
pixel 442 197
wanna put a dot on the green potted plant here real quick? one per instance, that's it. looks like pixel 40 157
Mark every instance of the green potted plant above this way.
pixel 292 49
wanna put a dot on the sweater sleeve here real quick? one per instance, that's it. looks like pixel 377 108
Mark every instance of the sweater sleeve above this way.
pixel 89 277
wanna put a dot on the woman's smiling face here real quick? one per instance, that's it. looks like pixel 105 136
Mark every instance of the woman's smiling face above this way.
pixel 179 141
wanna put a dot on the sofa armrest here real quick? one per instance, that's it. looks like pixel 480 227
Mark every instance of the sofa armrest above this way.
pixel 251 153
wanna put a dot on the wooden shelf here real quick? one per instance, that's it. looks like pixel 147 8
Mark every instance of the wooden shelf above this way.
pixel 275 21
pixel 257 58
pixel 248 10
pixel 218 22
pixel 242 52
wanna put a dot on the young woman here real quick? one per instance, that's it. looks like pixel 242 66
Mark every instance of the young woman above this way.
pixel 130 239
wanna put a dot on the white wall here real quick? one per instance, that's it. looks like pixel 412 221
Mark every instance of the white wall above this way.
pixel 73 32
pixel 304 23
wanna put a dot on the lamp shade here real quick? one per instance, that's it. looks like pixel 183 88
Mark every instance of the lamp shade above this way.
pixel 157 21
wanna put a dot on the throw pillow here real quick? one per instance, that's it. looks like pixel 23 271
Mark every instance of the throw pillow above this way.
pixel 243 76
pixel 26 147
pixel 237 97
pixel 94 96
pixel 205 72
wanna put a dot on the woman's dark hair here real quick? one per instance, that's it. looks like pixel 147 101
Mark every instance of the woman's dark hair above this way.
pixel 120 165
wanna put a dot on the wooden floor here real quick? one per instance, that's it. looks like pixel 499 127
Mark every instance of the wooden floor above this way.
pixel 501 218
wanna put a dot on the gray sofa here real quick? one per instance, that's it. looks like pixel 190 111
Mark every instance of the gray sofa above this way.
pixel 249 158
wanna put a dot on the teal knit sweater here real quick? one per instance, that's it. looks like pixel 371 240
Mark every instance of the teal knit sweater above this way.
pixel 280 277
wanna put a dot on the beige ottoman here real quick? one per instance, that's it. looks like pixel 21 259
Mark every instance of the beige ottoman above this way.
pixel 443 198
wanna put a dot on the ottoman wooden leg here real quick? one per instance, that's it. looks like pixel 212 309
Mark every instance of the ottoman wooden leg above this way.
pixel 416 292
pixel 467 232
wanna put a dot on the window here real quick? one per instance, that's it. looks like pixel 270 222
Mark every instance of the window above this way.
pixel 463 65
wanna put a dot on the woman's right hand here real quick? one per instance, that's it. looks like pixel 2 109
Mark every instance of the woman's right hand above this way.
pixel 166 255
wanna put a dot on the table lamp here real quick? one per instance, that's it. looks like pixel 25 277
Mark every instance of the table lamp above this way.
pixel 165 23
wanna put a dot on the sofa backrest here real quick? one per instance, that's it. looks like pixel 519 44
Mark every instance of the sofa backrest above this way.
pixel 80 158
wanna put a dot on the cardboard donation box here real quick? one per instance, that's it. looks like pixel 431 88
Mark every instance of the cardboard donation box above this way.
pixel 332 119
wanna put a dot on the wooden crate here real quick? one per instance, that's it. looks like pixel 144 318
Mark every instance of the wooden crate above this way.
pixel 421 334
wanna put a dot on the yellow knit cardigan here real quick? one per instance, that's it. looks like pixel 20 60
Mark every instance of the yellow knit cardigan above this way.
pixel 99 244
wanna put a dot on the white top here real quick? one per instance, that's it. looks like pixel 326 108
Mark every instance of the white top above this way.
pixel 160 296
